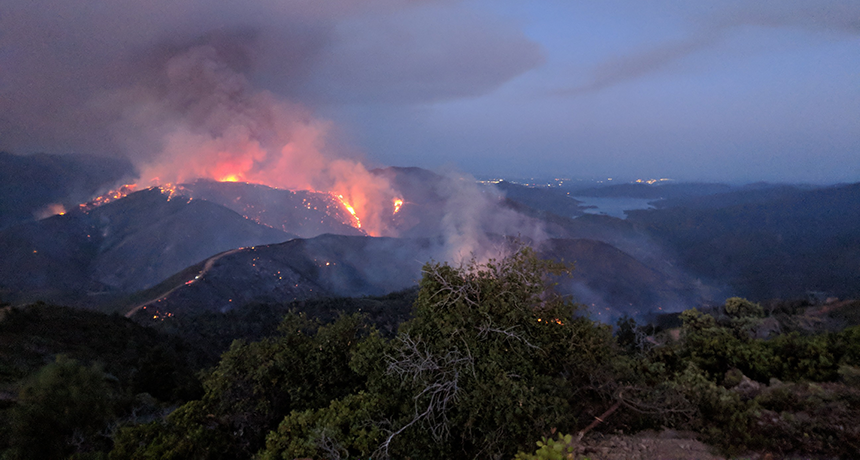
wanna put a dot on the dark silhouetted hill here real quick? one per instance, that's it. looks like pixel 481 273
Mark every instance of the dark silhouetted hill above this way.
pixel 131 244
pixel 337 266
pixel 655 191
pixel 325 266
pixel 798 242
pixel 552 200
pixel 754 193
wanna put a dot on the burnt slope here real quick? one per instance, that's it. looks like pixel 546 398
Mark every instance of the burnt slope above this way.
pixel 325 266
pixel 124 246
pixel 332 266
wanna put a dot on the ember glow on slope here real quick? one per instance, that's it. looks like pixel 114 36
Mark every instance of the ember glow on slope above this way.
pixel 722 90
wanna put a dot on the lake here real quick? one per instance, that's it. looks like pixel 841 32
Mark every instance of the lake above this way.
pixel 614 207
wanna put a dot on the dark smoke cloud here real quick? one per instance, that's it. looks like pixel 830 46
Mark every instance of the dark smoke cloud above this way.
pixel 64 63
pixel 713 21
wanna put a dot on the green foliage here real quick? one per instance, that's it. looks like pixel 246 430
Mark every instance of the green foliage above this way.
pixel 189 432
pixel 340 430
pixel 61 410
pixel 507 357
pixel 795 357
pixel 738 307
pixel 138 361
pixel 551 449
pixel 252 389
pixel 719 357
pixel 213 332
pixel 717 347
pixel 846 345
pixel 490 358
pixel 722 415
pixel 143 360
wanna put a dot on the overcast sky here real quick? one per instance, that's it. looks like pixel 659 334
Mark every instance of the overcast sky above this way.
pixel 721 90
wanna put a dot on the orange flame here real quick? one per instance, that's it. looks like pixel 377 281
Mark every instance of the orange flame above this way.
pixel 108 197
pixel 350 209
pixel 397 204
pixel 227 130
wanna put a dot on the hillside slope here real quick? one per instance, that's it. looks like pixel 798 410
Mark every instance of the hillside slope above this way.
pixel 782 247
pixel 131 244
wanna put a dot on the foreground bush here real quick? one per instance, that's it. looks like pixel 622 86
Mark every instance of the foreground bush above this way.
pixel 490 358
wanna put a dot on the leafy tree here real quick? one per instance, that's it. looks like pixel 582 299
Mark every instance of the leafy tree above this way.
pixel 738 307
pixel 61 411
pixel 254 387
pixel 491 358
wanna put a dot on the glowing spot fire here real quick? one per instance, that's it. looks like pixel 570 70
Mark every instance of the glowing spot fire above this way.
pixel 397 204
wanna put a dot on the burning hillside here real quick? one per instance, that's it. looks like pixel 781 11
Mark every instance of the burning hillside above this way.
pixel 203 119
pixel 302 212
pixel 198 128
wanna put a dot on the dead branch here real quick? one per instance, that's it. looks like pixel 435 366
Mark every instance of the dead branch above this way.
pixel 438 378
pixel 599 420
pixel 485 329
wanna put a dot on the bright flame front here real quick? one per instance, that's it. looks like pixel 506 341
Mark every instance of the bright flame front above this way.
pixel 357 223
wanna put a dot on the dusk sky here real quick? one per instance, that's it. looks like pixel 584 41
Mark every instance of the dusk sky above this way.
pixel 717 91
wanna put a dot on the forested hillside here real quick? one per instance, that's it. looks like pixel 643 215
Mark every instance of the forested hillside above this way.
pixel 489 361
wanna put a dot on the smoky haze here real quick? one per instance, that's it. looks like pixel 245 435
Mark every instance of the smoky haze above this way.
pixel 217 90
pixel 79 68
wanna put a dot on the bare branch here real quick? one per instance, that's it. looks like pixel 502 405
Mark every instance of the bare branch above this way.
pixel 438 378
pixel 333 449
pixel 485 329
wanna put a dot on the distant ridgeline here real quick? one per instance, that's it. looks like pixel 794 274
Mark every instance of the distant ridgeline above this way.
pixel 176 255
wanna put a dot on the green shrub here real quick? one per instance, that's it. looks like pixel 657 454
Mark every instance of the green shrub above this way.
pixel 738 307
pixel 552 449
pixel 61 411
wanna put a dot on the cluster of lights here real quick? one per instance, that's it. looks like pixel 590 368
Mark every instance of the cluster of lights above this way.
pixel 651 181
pixel 159 315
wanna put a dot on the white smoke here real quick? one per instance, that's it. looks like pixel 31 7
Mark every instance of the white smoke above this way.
pixel 476 223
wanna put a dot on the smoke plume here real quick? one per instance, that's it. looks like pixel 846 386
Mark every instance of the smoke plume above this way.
pixel 715 21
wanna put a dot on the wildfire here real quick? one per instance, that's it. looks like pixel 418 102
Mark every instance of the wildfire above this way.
pixel 108 197
pixel 229 178
pixel 350 209
pixel 397 204
pixel 170 190
pixel 56 209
